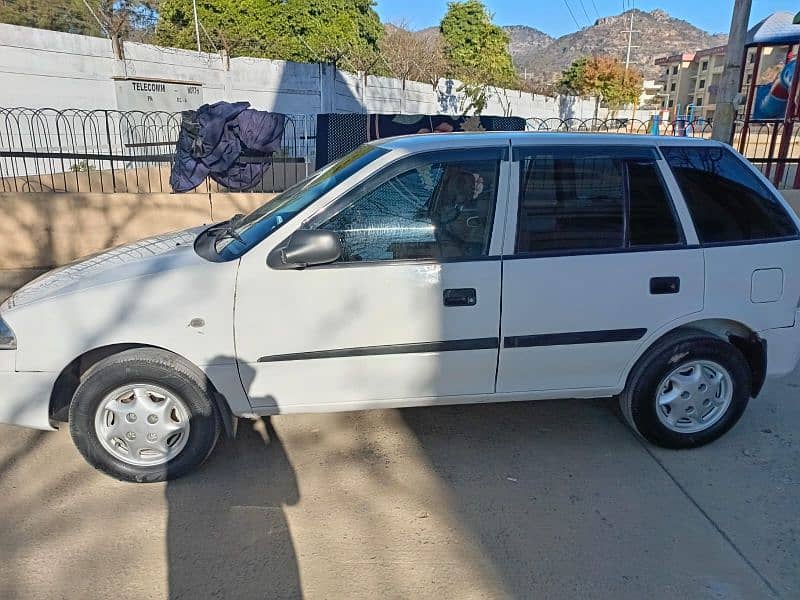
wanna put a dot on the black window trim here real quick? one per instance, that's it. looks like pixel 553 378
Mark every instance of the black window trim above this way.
pixel 492 152
pixel 626 206
pixel 399 262
pixel 655 156
pixel 593 251
pixel 753 242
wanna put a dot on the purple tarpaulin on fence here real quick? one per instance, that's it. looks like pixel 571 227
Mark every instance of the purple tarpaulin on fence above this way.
pixel 220 141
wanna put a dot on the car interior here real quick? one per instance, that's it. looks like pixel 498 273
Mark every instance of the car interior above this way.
pixel 570 203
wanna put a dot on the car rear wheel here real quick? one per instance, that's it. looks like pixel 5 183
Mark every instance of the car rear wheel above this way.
pixel 143 415
pixel 687 390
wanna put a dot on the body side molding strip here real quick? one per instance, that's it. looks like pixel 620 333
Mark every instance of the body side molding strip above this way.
pixel 413 348
pixel 572 338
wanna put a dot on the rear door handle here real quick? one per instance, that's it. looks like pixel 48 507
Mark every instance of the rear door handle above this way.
pixel 460 297
pixel 665 285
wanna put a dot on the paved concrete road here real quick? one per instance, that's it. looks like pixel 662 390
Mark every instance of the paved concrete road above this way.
pixel 526 500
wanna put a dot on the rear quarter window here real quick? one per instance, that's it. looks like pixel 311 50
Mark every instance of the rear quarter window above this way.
pixel 727 201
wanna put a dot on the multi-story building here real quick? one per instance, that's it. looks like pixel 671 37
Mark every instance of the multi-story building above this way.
pixel 690 81
pixel 674 80
pixel 704 82
pixel 651 94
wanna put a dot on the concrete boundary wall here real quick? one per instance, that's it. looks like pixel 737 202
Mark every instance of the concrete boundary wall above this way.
pixel 45 230
pixel 49 69
pixel 42 230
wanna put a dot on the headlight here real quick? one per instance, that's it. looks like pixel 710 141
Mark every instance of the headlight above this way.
pixel 8 341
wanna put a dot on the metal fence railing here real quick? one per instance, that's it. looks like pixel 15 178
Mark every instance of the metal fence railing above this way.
pixel 774 147
pixel 48 150
pixel 107 151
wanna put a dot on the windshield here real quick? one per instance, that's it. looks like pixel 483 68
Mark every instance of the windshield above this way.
pixel 244 232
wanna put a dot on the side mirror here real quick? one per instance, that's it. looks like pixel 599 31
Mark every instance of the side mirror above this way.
pixel 306 247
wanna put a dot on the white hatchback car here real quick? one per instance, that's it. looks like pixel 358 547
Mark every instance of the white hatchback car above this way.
pixel 433 269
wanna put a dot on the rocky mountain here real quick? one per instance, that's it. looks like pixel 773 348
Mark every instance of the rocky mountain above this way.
pixel 526 42
pixel 659 34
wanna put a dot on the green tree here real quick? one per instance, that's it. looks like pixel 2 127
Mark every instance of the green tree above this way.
pixel 70 16
pixel 604 78
pixel 477 53
pixel 346 33
pixel 476 48
pixel 573 80
pixel 123 19
pixel 241 27
pixel 343 32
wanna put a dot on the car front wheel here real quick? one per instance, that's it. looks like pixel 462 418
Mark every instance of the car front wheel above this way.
pixel 144 416
pixel 687 390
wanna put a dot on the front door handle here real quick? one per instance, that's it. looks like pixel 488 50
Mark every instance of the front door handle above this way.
pixel 665 285
pixel 460 297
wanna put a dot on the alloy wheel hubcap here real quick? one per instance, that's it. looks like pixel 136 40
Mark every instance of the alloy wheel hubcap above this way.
pixel 142 424
pixel 694 396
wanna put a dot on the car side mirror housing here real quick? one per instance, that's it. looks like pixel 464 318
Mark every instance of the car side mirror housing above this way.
pixel 304 248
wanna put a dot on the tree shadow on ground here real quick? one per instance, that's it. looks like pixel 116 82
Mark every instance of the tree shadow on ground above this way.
pixel 564 501
pixel 227 532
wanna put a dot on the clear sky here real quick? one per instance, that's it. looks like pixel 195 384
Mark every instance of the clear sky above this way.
pixel 552 16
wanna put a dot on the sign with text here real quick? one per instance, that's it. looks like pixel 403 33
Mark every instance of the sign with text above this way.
pixel 151 94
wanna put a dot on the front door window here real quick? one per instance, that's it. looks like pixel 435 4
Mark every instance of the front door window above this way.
pixel 431 206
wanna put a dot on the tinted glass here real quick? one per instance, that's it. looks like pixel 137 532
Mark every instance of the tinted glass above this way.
pixel 728 202
pixel 570 202
pixel 425 208
pixel 652 221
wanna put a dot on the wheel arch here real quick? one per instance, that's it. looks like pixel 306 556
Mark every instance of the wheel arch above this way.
pixel 739 335
pixel 70 377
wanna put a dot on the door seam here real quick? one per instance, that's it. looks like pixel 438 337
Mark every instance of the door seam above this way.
pixel 499 328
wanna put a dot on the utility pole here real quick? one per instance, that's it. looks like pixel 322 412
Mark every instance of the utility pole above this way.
pixel 729 82
pixel 630 33
pixel 196 25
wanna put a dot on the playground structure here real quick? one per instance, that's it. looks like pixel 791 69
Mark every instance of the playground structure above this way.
pixel 768 129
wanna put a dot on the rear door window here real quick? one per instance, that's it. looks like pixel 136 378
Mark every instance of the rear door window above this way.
pixel 590 199
pixel 570 201
pixel 727 201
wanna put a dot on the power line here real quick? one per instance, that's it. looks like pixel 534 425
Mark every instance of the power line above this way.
pixel 571 14
pixel 597 12
pixel 102 27
pixel 208 36
pixel 588 19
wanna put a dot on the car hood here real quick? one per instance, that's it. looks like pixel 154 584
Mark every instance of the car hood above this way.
pixel 145 257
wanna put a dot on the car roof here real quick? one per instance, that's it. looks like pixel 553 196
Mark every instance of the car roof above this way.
pixel 439 141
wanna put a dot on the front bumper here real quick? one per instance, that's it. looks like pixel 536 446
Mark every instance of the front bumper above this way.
pixel 25 398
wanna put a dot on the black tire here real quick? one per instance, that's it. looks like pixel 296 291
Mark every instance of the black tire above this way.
pixel 638 403
pixel 145 365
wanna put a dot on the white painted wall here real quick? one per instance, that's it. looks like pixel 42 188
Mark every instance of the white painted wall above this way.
pixel 40 68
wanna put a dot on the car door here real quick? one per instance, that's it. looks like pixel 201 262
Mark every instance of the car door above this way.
pixel 596 259
pixel 411 309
